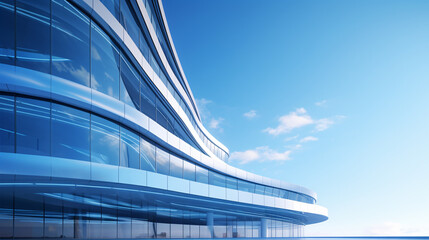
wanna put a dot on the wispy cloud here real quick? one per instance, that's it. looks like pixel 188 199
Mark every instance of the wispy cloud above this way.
pixel 308 139
pixel 261 154
pixel 206 116
pixel 298 118
pixel 321 103
pixel 214 123
pixel 250 114
pixel 288 139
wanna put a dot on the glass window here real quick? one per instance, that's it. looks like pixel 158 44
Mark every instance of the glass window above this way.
pixel 162 162
pixel 6 215
pixel 53 221
pixel 30 139
pixel 129 22
pixel 276 192
pixel 176 166
pixel 33 34
pixel 188 171
pixel 7 123
pixel 231 183
pixel 201 175
pixel 161 116
pixel 70 43
pixel 104 141
pixel 113 7
pixel 129 149
pixel 246 186
pixel 70 133
pixel 28 216
pixel 144 48
pixel 147 155
pixel 130 84
pixel 259 189
pixel 104 63
pixel 284 194
pixel 216 179
pixel 148 100
pixel 7 41
pixel 268 191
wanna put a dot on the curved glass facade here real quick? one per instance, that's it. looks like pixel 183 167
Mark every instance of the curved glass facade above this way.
pixel 97 142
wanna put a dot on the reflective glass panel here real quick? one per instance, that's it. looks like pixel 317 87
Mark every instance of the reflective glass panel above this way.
pixel 104 63
pixel 104 141
pixel 216 179
pixel 188 171
pixel 30 139
pixel 201 174
pixel 147 155
pixel 176 166
pixel 130 87
pixel 231 183
pixel 28 215
pixel 148 100
pixel 70 133
pixel 33 34
pixel 70 43
pixel 162 162
pixel 7 41
pixel 246 186
pixel 7 123
pixel 6 215
pixel 129 149
pixel 129 22
pixel 113 7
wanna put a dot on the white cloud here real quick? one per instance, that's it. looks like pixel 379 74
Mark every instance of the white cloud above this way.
pixel 214 123
pixel 321 103
pixel 250 114
pixel 260 154
pixel 323 124
pixel 291 138
pixel 202 107
pixel 308 139
pixel 298 118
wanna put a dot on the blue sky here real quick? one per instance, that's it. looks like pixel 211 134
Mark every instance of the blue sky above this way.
pixel 331 95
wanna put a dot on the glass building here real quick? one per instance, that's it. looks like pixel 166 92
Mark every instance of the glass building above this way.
pixel 100 136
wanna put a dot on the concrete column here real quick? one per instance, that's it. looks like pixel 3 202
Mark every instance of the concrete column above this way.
pixel 210 223
pixel 264 227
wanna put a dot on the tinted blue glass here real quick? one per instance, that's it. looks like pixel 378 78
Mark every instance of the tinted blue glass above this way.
pixel 284 194
pixel 130 87
pixel 161 116
pixel 6 215
pixel 104 141
pixel 33 34
pixel 7 41
pixel 148 100
pixel 216 179
pixel 276 192
pixel 162 162
pixel 293 196
pixel 30 139
pixel 201 175
pixel 129 22
pixel 70 43
pixel 104 63
pixel 53 221
pixel 188 171
pixel 231 183
pixel 259 189
pixel 28 215
pixel 70 133
pixel 268 191
pixel 147 155
pixel 113 7
pixel 7 123
pixel 176 166
pixel 129 149
pixel 246 186
pixel 144 48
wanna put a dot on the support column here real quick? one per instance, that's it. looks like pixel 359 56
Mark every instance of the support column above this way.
pixel 210 224
pixel 264 227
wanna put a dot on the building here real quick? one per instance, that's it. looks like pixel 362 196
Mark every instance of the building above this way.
pixel 100 136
